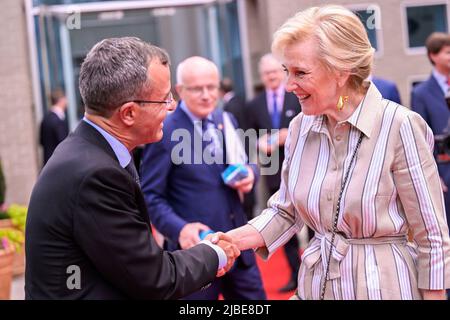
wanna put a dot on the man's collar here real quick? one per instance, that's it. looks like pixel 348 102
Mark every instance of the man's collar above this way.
pixel 279 91
pixel 121 152
pixel 59 112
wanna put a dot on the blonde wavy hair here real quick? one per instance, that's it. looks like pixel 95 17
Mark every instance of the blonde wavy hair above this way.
pixel 343 44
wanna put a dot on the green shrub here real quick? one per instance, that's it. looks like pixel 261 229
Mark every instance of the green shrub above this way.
pixel 18 215
pixel 15 237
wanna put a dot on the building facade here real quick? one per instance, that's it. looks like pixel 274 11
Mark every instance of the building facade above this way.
pixel 43 43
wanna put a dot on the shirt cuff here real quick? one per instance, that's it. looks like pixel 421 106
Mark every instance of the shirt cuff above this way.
pixel 220 253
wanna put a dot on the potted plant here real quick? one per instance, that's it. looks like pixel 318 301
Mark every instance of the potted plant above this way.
pixel 18 216
pixel 2 186
pixel 5 221
pixel 15 233
pixel 6 267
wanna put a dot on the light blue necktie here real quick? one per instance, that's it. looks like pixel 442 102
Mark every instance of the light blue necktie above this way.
pixel 275 113
pixel 215 146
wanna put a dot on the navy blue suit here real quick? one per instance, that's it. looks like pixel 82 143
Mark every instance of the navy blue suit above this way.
pixel 388 89
pixel 177 194
pixel 428 100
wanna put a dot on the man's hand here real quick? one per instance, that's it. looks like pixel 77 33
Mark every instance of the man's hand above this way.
pixel 231 250
pixel 189 235
pixel 245 185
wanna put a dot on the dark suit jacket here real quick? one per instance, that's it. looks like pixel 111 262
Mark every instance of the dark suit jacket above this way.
pixel 177 194
pixel 87 211
pixel 428 99
pixel 388 89
pixel 53 130
pixel 259 118
pixel 236 106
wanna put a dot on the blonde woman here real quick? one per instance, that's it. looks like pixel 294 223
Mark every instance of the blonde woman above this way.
pixel 359 171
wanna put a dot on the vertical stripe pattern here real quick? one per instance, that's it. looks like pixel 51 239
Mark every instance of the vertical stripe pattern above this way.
pixel 393 187
pixel 425 205
pixel 402 274
pixel 374 173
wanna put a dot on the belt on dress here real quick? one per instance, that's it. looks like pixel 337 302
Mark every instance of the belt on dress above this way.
pixel 319 248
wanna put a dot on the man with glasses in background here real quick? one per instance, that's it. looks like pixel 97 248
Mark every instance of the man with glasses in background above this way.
pixel 88 232
pixel 187 198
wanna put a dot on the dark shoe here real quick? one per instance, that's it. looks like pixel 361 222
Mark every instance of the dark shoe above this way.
pixel 290 286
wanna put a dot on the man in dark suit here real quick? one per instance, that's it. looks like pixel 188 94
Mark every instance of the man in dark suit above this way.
pixel 429 99
pixel 88 234
pixel 182 183
pixel 232 102
pixel 235 105
pixel 272 109
pixel 54 126
pixel 388 89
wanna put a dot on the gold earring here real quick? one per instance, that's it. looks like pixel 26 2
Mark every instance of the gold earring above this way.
pixel 341 102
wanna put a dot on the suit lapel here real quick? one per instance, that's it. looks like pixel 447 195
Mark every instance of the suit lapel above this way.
pixel 265 115
pixel 291 108
pixel 89 133
pixel 435 88
pixel 183 121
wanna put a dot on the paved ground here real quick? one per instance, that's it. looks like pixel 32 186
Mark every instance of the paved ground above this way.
pixel 17 288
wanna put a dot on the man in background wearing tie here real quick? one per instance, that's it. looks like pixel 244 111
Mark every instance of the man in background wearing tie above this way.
pixel 429 98
pixel 187 197
pixel 274 108
pixel 88 232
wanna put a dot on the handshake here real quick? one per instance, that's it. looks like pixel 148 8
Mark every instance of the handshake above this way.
pixel 193 232
pixel 225 242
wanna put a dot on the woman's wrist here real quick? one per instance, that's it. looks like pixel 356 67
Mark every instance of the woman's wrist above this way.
pixel 433 294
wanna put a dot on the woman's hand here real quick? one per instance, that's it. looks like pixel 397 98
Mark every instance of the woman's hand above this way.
pixel 433 294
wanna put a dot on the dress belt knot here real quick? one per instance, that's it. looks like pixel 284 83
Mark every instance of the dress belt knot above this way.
pixel 319 249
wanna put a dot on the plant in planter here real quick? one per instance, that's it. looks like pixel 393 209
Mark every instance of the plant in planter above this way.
pixel 6 267
pixel 13 236
pixel 3 214
pixel 13 228
pixel 18 215
pixel 17 238
pixel 2 186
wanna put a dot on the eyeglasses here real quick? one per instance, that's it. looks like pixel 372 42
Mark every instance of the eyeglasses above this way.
pixel 199 90
pixel 167 102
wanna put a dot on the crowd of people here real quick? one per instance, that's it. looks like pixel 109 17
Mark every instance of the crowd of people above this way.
pixel 356 168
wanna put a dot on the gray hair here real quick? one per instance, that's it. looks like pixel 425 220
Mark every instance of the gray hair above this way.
pixel 268 57
pixel 115 71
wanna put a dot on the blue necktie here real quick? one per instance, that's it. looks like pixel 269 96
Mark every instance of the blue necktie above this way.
pixel 275 113
pixel 214 146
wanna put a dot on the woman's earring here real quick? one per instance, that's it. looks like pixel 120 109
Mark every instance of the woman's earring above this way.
pixel 341 102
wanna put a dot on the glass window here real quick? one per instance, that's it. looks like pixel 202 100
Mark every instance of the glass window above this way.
pixel 423 20
pixel 369 19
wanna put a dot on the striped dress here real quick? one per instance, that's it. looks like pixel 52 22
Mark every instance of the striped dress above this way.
pixel 393 187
